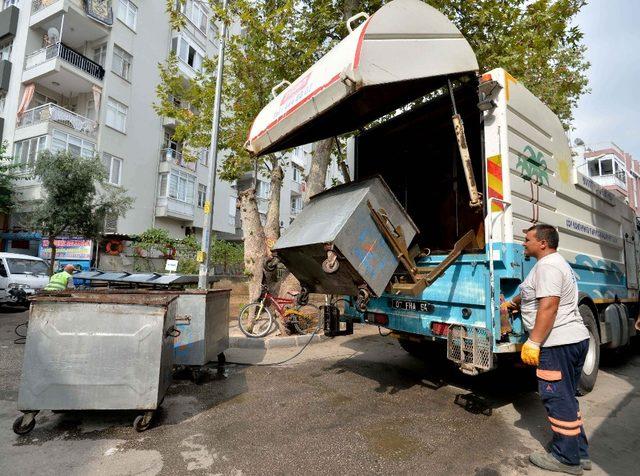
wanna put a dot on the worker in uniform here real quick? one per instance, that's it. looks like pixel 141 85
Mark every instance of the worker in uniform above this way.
pixel 557 345
pixel 61 280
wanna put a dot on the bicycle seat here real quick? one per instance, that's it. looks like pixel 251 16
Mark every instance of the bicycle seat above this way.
pixel 293 293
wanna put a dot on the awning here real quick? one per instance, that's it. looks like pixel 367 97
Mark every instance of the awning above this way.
pixel 402 52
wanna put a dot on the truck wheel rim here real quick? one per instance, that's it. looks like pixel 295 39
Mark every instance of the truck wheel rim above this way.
pixel 590 360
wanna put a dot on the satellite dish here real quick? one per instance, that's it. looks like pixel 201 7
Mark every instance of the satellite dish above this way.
pixel 54 35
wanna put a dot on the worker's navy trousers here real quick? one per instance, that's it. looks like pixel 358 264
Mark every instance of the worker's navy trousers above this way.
pixel 558 374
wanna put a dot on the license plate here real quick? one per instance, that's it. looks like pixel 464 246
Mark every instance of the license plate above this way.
pixel 418 306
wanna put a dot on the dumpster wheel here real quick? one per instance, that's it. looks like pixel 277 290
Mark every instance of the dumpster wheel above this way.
pixel 19 428
pixel 331 264
pixel 363 299
pixel 143 422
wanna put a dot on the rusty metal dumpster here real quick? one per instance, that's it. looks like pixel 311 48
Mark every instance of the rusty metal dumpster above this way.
pixel 201 315
pixel 335 247
pixel 97 351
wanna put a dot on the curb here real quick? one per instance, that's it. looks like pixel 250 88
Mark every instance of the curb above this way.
pixel 275 342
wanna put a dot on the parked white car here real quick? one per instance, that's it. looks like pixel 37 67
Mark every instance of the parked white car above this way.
pixel 20 277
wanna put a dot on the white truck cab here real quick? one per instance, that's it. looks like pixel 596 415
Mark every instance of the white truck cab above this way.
pixel 20 277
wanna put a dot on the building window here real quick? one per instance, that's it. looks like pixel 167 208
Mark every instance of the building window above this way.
pixel 214 33
pixel 8 3
pixel 25 152
pixel 203 156
pixel 128 13
pixel 121 63
pixel 100 54
pixel 63 142
pixel 199 17
pixel 202 195
pixel 162 192
pixel 296 204
pixel 232 210
pixel 181 186
pixel 40 99
pixel 113 166
pixel 297 174
pixel 181 6
pixel 263 189
pixel 5 51
pixel 187 52
pixel 116 115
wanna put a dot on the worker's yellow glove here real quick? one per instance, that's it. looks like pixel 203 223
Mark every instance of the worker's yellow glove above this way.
pixel 530 353
pixel 508 306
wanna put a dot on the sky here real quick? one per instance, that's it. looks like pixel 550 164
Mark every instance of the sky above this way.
pixel 611 112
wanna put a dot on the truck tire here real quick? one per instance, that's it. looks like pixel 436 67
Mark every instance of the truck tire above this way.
pixel 425 351
pixel 592 361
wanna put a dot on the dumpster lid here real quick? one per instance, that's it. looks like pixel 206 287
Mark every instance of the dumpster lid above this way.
pixel 402 52
pixel 151 279
pixel 147 299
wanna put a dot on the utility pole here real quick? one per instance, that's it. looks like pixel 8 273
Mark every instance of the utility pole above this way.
pixel 203 255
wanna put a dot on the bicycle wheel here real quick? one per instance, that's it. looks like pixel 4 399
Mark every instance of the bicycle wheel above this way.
pixel 306 319
pixel 255 320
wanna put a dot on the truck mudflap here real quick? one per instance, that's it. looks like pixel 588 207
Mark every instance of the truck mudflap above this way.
pixel 471 348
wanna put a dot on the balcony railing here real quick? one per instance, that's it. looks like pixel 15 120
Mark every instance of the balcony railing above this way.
pixel 66 54
pixel 55 113
pixel 175 207
pixel 175 157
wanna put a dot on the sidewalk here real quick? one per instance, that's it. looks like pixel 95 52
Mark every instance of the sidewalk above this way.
pixel 238 340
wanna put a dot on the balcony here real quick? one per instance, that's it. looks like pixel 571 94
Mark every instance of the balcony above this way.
pixel 89 24
pixel 617 179
pixel 69 56
pixel 170 157
pixel 40 118
pixel 172 208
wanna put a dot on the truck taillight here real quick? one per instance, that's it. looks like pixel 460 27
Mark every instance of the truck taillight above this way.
pixel 377 318
pixel 486 77
pixel 439 328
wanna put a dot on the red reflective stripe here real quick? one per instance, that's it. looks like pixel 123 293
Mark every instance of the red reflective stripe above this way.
pixel 565 432
pixel 296 106
pixel 356 59
pixel 549 375
pixel 566 424
pixel 494 169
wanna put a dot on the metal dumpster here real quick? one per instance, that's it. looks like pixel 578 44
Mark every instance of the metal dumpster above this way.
pixel 97 351
pixel 339 220
pixel 202 317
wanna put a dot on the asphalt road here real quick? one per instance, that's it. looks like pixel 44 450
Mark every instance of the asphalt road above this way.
pixel 354 405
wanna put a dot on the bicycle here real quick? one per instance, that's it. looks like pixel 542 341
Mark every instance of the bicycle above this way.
pixel 256 320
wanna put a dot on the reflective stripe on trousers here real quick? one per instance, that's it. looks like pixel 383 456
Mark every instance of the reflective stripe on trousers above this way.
pixel 558 375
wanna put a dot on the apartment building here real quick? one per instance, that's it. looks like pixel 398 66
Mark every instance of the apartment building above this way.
pixel 81 76
pixel 613 168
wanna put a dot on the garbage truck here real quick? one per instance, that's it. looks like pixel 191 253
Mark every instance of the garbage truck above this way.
pixel 451 166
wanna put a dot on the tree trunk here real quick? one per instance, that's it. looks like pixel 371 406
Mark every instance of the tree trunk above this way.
pixel 254 241
pixel 52 245
pixel 320 160
pixel 272 224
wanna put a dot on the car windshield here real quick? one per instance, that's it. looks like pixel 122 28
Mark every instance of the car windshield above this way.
pixel 27 266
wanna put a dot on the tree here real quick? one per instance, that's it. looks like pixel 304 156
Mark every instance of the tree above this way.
pixel 7 176
pixel 77 198
pixel 533 39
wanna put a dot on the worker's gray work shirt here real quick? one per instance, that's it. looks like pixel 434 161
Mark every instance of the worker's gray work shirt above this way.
pixel 552 276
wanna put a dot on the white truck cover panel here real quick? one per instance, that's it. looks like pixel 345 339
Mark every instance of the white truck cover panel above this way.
pixel 539 180
pixel 400 53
